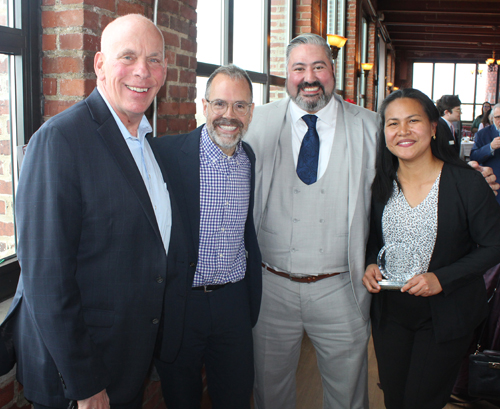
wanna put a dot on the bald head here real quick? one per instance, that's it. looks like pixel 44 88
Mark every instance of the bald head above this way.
pixel 128 23
pixel 131 67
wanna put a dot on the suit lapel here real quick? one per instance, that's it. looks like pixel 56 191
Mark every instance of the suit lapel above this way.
pixel 354 141
pixel 189 165
pixel 113 139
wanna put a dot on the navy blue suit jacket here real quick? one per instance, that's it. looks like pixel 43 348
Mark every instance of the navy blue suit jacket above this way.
pixel 444 130
pixel 94 278
pixel 481 151
pixel 180 157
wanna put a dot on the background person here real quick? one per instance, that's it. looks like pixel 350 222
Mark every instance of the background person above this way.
pixel 449 123
pixel 485 109
pixel 486 143
pixel 426 198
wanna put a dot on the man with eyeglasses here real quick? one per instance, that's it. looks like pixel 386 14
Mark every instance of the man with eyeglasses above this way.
pixel 449 123
pixel 212 174
pixel 486 144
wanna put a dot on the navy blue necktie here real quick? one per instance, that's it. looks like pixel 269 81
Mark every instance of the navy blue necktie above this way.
pixel 307 164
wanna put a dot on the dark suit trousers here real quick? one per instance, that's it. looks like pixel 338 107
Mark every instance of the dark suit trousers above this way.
pixel 415 371
pixel 217 334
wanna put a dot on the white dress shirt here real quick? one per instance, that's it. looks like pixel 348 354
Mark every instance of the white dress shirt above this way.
pixel 325 126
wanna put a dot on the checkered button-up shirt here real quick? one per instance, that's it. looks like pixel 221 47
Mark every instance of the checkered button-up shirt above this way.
pixel 224 200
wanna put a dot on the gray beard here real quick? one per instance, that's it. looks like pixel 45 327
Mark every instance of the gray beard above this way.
pixel 312 106
pixel 214 135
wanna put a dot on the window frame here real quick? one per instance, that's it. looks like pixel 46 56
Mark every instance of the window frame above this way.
pixel 24 44
pixel 265 77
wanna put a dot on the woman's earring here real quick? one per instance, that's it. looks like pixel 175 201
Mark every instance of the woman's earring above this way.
pixel 434 137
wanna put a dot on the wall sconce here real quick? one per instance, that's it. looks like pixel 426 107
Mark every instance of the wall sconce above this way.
pixel 395 88
pixel 490 61
pixel 366 68
pixel 336 43
pixel 389 86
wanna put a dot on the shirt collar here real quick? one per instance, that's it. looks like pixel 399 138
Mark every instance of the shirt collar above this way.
pixel 142 131
pixel 328 114
pixel 212 151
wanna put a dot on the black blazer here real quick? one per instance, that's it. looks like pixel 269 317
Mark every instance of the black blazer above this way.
pixel 180 156
pixel 467 244
pixel 455 140
pixel 94 272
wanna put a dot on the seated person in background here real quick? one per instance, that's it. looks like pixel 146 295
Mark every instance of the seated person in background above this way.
pixel 425 198
pixel 486 143
pixel 486 121
pixel 450 112
pixel 484 110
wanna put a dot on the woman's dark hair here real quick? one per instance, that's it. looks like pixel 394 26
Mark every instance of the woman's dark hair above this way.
pixel 387 164
pixel 482 108
pixel 486 119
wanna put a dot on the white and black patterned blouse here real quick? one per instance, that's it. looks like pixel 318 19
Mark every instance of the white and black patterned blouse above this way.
pixel 414 229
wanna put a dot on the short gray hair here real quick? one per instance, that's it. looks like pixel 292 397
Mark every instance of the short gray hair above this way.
pixel 232 71
pixel 308 38
pixel 491 111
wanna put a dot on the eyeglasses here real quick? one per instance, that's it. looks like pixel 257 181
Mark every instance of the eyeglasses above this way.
pixel 457 110
pixel 220 107
pixel 496 117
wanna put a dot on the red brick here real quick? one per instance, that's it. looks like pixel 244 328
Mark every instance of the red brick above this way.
pixel 76 87
pixel 49 42
pixel 187 108
pixel 52 108
pixel 172 74
pixel 61 65
pixel 68 18
pixel 4 147
pixel 2 211
pixel 176 124
pixel 71 41
pixel 187 77
pixel 171 39
pixel 105 20
pixel 177 91
pixel 182 60
pixel 188 45
pixel 124 8
pixel 179 25
pixel 48 2
pixel 168 108
pixel 191 125
pixel 188 13
pixel 49 86
pixel 171 6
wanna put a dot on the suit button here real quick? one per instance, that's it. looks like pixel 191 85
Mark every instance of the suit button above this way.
pixel 155 321
pixel 159 279
pixel 192 264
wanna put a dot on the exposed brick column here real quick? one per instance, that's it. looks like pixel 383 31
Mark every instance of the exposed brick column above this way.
pixel 350 87
pixel 370 88
pixel 311 17
pixel 71 37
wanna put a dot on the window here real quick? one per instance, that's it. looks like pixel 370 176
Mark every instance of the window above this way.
pixel 336 25
pixel 19 117
pixel 470 82
pixel 237 31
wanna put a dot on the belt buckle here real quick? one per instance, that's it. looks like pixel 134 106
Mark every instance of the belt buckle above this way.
pixel 205 289
pixel 299 276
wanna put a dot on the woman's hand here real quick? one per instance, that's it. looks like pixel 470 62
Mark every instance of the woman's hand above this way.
pixel 371 278
pixel 423 285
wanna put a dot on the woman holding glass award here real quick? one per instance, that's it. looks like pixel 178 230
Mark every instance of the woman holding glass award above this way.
pixel 435 229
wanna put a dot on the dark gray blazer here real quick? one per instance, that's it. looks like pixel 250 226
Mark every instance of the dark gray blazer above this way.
pixel 94 278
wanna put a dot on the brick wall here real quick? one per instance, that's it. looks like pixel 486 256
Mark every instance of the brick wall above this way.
pixel 491 83
pixel 370 88
pixel 278 45
pixel 71 37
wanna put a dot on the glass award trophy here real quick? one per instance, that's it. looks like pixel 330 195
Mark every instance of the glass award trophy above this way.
pixel 398 262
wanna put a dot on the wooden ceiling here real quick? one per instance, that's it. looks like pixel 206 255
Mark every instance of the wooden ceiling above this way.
pixel 442 30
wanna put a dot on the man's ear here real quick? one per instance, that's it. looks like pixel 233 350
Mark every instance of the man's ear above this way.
pixel 98 66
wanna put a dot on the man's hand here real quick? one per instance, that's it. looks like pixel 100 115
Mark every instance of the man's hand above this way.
pixel 495 143
pixel 487 174
pixel 371 278
pixel 98 401
pixel 423 285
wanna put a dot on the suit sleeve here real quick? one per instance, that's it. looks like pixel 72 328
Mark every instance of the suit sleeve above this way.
pixel 481 150
pixel 49 218
pixel 482 214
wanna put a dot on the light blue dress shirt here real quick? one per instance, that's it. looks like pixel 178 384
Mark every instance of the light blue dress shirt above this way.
pixel 150 172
